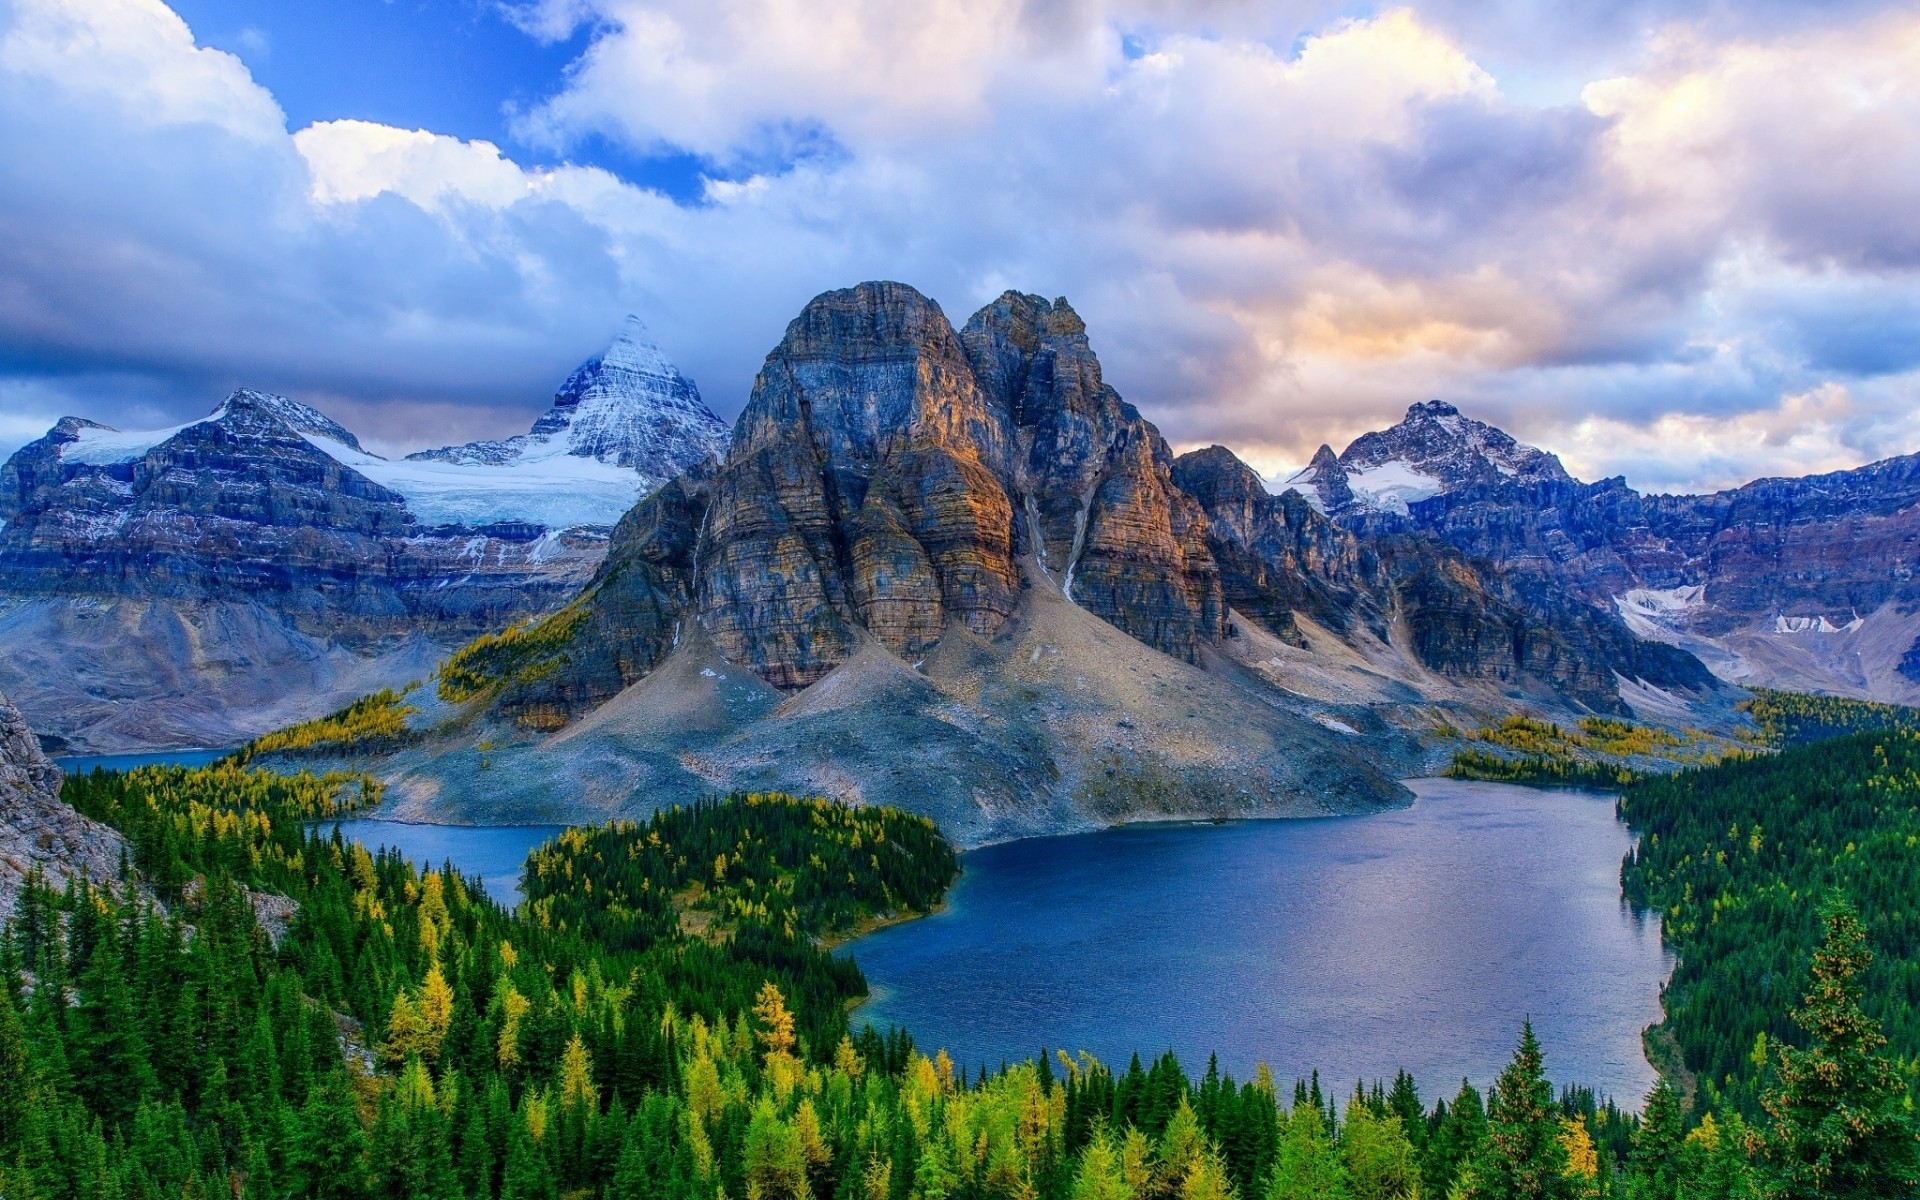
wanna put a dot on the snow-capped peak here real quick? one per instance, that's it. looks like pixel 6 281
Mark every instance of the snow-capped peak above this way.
pixel 1433 450
pixel 628 406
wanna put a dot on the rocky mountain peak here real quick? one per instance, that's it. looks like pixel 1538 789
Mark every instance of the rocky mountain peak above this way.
pixel 246 405
pixel 628 406
pixel 1435 449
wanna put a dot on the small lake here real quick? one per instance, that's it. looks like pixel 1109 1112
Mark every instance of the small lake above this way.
pixel 1416 938
pixel 81 764
pixel 492 853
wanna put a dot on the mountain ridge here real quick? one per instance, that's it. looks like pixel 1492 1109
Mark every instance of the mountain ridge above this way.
pixel 258 565
pixel 1803 583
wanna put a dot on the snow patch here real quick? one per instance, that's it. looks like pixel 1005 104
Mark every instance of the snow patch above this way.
pixel 1393 485
pixel 558 491
pixel 1820 624
pixel 99 446
pixel 1653 612
pixel 1335 724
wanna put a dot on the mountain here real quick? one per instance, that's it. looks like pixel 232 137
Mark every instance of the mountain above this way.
pixel 203 583
pixel 1799 583
pixel 628 406
pixel 38 831
pixel 1433 450
pixel 954 570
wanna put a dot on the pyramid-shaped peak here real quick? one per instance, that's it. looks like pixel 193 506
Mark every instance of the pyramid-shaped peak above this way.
pixel 634 349
pixel 627 406
pixel 295 415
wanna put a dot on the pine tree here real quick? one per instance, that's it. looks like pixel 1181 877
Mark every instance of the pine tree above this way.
pixel 17 1086
pixel 1523 1157
pixel 1457 1138
pixel 331 1148
pixel 1308 1166
pixel 1655 1160
pixel 1840 1127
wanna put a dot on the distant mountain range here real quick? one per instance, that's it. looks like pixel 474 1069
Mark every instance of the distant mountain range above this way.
pixel 203 583
pixel 1805 584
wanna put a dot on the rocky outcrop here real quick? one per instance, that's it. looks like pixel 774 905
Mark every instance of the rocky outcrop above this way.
pixel 39 833
pixel 1279 556
pixel 885 482
pixel 864 490
pixel 1093 479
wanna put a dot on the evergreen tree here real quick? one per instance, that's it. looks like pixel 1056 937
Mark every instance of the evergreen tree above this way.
pixel 1457 1138
pixel 1656 1157
pixel 1308 1165
pixel 330 1152
pixel 1523 1157
pixel 1841 1126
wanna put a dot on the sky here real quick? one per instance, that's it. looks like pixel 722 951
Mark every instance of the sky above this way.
pixel 1677 240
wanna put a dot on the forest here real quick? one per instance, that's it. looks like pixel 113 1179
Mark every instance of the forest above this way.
pixel 1738 861
pixel 662 1019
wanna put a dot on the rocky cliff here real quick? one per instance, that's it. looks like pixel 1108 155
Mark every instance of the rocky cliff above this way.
pixel 199 584
pixel 37 831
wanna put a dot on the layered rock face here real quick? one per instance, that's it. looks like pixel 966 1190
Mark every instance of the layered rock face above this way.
pixel 243 506
pixel 885 481
pixel 887 473
pixel 37 831
pixel 863 491
pixel 1094 479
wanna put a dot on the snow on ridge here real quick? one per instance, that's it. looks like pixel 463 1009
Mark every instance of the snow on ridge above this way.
pixel 1790 625
pixel 627 406
pixel 556 492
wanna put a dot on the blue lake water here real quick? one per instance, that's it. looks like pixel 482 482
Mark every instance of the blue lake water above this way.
pixel 1416 939
pixel 493 853
pixel 80 764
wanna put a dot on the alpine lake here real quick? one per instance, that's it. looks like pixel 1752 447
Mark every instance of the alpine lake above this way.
pixel 1415 938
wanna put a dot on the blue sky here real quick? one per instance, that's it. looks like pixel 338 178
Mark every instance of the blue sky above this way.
pixel 458 67
pixel 1675 239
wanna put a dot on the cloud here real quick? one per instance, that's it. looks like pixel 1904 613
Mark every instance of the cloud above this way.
pixel 1282 222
